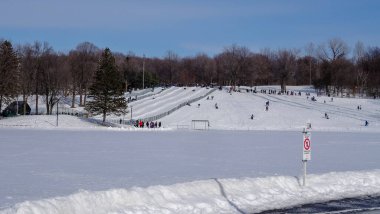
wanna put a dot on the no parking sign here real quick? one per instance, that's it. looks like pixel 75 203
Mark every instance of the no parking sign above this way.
pixel 306 146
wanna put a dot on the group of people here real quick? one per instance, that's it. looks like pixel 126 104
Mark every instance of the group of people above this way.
pixel 151 124
pixel 267 105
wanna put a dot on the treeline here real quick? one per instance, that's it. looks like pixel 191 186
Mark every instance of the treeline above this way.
pixel 37 69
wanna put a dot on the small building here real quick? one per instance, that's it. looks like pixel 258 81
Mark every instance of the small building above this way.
pixel 11 109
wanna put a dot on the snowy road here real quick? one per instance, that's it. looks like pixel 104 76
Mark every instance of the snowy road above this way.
pixel 36 164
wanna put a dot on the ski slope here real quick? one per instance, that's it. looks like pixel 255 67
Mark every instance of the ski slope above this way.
pixel 161 102
pixel 286 112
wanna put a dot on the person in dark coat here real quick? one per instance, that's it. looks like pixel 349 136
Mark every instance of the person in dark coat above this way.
pixel 159 124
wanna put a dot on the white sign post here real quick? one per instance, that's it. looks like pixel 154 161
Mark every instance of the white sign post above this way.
pixel 306 154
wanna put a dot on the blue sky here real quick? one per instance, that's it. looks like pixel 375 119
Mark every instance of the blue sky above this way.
pixel 189 27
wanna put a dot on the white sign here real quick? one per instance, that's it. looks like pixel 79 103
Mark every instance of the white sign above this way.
pixel 306 146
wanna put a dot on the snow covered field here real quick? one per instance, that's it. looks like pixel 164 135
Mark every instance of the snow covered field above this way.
pixel 47 122
pixel 241 165
pixel 207 172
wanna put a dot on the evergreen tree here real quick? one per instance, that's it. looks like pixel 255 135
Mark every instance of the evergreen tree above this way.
pixel 107 88
pixel 9 72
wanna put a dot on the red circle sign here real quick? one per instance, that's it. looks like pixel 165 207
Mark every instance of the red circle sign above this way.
pixel 306 144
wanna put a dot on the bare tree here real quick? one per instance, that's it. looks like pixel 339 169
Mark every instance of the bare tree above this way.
pixel 361 73
pixel 335 49
pixel 310 52
pixel 87 54
pixel 285 66
pixel 171 64
pixel 234 62
pixel 27 72
pixel 39 50
pixel 262 69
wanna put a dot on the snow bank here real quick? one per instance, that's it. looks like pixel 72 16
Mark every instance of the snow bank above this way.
pixel 248 195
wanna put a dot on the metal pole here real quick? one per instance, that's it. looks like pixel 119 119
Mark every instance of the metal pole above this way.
pixel 304 172
pixel 57 113
pixel 143 70
pixel 131 111
pixel 310 71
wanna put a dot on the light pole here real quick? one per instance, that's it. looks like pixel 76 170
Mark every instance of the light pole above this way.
pixel 57 111
pixel 131 111
pixel 143 69
pixel 57 114
pixel 310 71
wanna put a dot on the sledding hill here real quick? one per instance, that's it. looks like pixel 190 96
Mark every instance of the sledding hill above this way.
pixel 286 112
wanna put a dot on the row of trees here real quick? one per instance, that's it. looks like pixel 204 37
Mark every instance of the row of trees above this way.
pixel 36 69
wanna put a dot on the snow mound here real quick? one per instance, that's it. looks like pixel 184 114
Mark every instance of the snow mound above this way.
pixel 247 195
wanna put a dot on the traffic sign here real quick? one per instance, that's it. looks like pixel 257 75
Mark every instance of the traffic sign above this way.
pixel 306 146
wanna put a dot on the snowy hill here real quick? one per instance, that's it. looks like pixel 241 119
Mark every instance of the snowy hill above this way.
pixel 286 112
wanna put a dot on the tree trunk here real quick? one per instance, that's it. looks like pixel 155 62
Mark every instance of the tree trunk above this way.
pixel 80 95
pixel 1 102
pixel 104 116
pixel 85 96
pixel 283 86
pixel 47 104
pixel 73 101
pixel 25 101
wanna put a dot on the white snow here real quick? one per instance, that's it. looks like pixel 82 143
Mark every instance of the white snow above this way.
pixel 47 122
pixel 247 195
pixel 286 112
pixel 239 166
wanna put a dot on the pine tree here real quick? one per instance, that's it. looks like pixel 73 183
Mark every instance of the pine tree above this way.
pixel 9 72
pixel 107 88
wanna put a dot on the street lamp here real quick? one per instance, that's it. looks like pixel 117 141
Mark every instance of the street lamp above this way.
pixel 57 109
pixel 143 69
pixel 310 71
pixel 131 111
